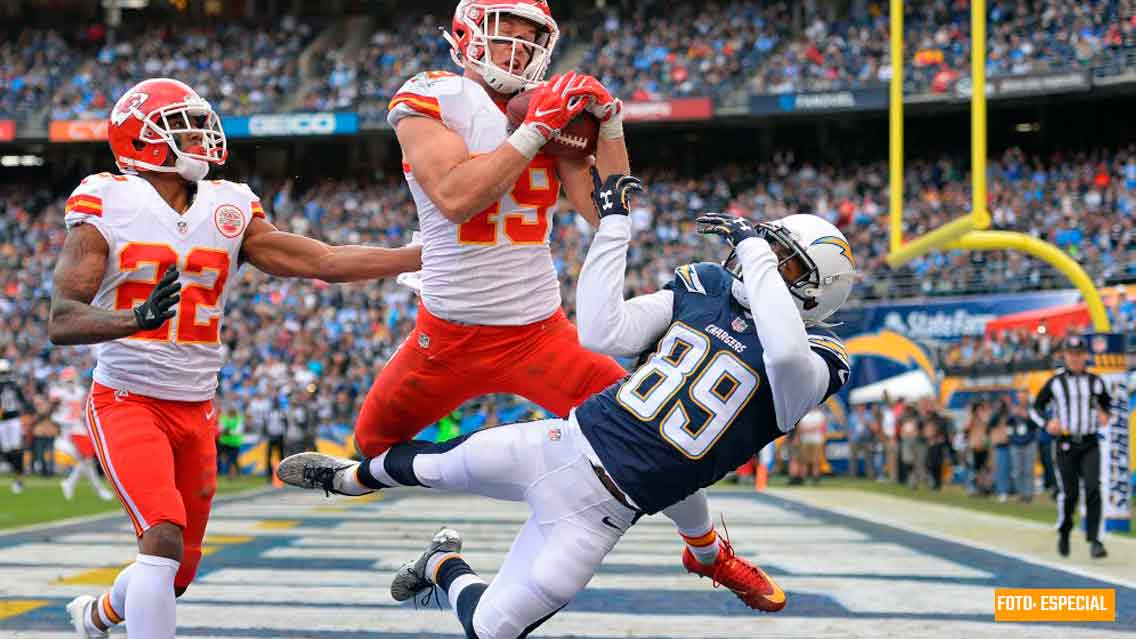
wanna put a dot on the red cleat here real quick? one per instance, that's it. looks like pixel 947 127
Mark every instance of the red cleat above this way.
pixel 750 583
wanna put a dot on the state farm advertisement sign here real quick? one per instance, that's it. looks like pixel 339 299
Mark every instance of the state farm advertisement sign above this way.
pixel 668 110
pixel 77 130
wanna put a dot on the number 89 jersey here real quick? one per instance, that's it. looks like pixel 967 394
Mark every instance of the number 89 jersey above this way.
pixel 180 359
pixel 700 405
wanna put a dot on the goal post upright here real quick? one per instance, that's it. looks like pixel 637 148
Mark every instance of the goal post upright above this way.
pixel 967 232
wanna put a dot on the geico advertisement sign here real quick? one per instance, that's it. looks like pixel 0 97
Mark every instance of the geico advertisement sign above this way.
pixel 291 124
pixel 77 130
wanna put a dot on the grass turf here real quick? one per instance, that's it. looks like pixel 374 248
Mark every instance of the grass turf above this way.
pixel 1041 509
pixel 42 500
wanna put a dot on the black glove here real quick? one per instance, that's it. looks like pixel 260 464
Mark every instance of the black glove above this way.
pixel 159 307
pixel 610 197
pixel 734 229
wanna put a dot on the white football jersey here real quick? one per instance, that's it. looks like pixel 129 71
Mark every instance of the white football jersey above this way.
pixel 180 359
pixel 495 269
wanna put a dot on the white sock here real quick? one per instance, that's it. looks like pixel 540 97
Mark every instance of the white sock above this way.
pixel 379 472
pixel 150 607
pixel 349 482
pixel 73 476
pixel 114 599
pixel 436 560
pixel 691 517
pixel 89 470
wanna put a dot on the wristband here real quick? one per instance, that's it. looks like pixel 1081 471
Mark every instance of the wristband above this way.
pixel 613 128
pixel 527 140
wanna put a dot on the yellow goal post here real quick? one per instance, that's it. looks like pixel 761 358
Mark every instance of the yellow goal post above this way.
pixel 969 231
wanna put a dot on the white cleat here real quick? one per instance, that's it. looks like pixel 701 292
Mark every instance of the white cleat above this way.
pixel 68 489
pixel 17 487
pixel 318 471
pixel 411 579
pixel 79 611
pixel 105 495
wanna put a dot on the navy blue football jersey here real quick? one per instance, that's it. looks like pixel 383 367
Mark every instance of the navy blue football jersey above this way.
pixel 700 405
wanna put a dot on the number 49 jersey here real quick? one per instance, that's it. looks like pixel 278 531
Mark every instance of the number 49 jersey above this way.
pixel 698 407
pixel 179 360
pixel 496 267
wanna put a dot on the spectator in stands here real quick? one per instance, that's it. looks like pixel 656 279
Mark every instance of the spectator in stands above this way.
pixel 861 439
pixel 1122 313
pixel 1023 436
pixel 936 432
pixel 44 432
pixel 978 450
pixel 999 429
pixel 275 426
pixel 229 440
pixel 909 434
pixel 813 427
pixel 889 433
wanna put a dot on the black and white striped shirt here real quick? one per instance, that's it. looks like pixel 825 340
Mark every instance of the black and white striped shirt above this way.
pixel 1077 401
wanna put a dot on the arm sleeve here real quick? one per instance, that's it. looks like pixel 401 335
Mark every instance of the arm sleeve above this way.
pixel 607 323
pixel 1040 408
pixel 798 377
pixel 1100 391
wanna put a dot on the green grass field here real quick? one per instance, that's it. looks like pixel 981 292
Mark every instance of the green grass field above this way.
pixel 1042 509
pixel 42 500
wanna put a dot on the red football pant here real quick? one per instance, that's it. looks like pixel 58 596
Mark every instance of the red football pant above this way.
pixel 161 460
pixel 442 364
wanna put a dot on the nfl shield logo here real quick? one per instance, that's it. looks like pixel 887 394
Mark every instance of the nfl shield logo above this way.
pixel 554 434
pixel 423 340
pixel 1100 344
pixel 739 325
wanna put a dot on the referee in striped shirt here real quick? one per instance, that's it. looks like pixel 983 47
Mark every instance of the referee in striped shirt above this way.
pixel 1072 406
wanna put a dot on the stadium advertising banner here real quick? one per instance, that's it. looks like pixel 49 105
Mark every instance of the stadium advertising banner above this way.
pixel 669 110
pixel 1111 363
pixel 7 130
pixel 947 319
pixel 829 101
pixel 291 124
pixel 1023 85
pixel 77 130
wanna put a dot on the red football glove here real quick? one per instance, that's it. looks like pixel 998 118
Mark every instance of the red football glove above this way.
pixel 553 105
pixel 607 109
pixel 556 102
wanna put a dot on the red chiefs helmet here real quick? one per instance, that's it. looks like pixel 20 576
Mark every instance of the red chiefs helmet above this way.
pixel 155 117
pixel 475 28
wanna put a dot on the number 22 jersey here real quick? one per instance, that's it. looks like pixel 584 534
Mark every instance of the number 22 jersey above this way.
pixel 701 405
pixel 180 359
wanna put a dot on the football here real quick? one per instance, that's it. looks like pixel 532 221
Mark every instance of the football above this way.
pixel 577 140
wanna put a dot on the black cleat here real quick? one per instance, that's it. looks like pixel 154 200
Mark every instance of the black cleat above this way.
pixel 1096 550
pixel 1063 545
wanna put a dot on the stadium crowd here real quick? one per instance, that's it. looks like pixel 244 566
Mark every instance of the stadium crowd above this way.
pixel 288 336
pixel 1026 37
pixel 650 52
pixel 642 51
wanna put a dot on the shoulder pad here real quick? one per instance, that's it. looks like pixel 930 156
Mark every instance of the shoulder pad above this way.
pixel 703 278
pixel 419 95
pixel 828 344
pixel 88 200
pixel 245 196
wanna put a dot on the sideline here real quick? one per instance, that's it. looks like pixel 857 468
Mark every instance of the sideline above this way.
pixel 1021 539
pixel 78 522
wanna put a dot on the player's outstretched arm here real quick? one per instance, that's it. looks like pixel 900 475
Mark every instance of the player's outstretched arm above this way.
pixel 607 323
pixel 76 280
pixel 285 254
pixel 611 150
